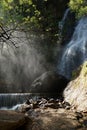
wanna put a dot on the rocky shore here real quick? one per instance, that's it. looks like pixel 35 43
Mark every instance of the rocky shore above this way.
pixel 43 114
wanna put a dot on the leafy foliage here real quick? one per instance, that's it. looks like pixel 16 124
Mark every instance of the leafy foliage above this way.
pixel 19 11
pixel 32 13
pixel 79 6
pixel 37 15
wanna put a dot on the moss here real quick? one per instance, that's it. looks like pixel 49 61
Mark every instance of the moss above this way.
pixel 76 72
pixel 81 70
pixel 84 69
pixel 80 76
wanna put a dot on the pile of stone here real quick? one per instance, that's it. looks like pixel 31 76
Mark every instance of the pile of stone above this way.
pixel 44 103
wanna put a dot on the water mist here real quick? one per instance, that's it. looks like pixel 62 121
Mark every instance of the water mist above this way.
pixel 20 66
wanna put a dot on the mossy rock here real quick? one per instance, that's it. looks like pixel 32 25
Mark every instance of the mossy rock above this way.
pixel 76 91
pixel 84 69
pixel 76 72
pixel 81 70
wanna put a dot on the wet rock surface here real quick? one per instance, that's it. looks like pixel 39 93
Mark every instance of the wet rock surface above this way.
pixel 11 120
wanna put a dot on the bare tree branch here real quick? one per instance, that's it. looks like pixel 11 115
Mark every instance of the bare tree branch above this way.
pixel 5 36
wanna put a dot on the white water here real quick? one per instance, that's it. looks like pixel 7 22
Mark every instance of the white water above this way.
pixel 61 23
pixel 12 101
pixel 15 107
pixel 75 52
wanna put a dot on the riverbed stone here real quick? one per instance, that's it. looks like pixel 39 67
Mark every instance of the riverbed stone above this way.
pixel 11 120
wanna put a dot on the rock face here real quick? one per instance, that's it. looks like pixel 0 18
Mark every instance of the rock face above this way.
pixel 49 82
pixel 76 91
pixel 11 120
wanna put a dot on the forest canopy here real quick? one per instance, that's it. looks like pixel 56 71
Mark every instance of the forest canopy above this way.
pixel 35 14
pixel 42 15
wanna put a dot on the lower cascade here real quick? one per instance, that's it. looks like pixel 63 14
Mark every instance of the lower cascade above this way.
pixel 13 100
pixel 75 52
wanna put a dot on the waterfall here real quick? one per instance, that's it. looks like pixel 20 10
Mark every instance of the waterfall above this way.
pixel 75 52
pixel 13 100
pixel 62 22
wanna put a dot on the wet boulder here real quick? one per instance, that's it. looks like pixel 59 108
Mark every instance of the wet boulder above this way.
pixel 76 91
pixel 11 120
pixel 49 82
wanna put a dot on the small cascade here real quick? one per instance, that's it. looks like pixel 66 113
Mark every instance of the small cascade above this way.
pixel 67 26
pixel 62 22
pixel 13 100
pixel 75 52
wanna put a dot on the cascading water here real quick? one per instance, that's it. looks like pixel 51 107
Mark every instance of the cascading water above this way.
pixel 75 52
pixel 9 100
pixel 14 100
pixel 62 22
